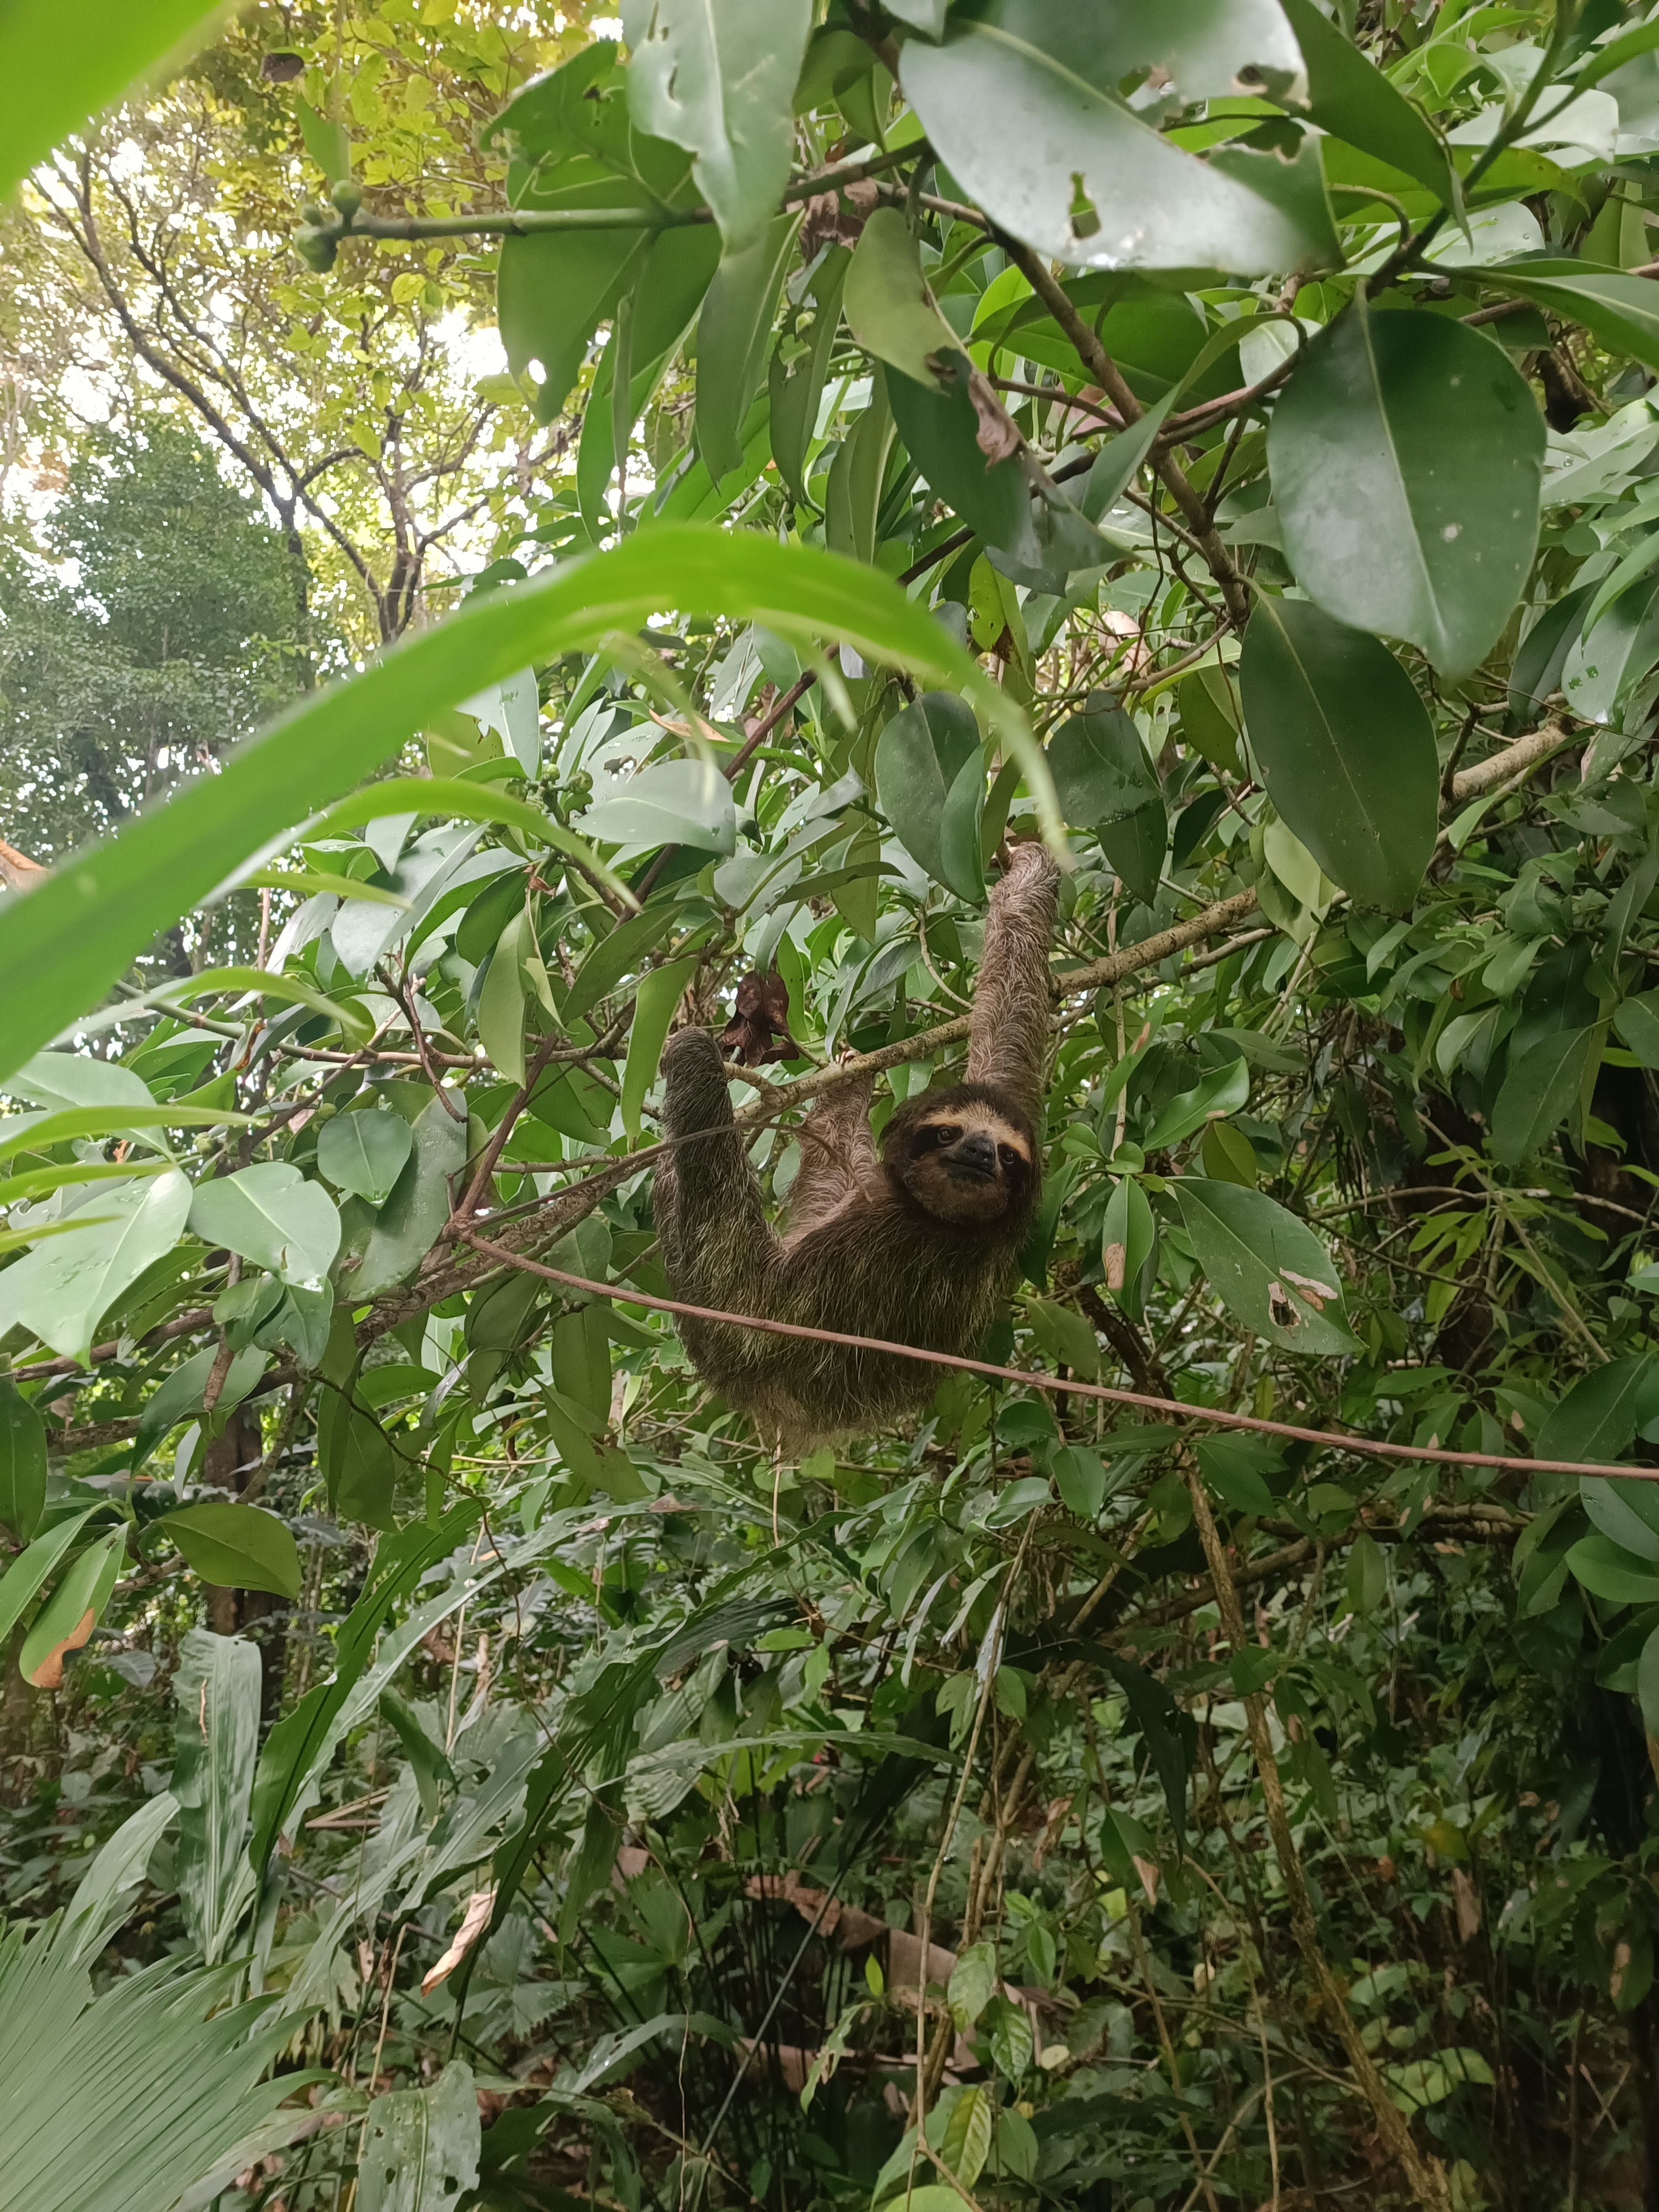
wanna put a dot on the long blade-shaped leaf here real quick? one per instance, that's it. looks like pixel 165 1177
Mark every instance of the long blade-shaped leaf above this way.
pixel 65 943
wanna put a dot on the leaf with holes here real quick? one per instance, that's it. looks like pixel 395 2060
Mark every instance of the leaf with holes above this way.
pixel 1267 1269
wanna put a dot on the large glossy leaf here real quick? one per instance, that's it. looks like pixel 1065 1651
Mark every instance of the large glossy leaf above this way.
pixel 22 1463
pixel 1345 747
pixel 1064 165
pixel 1206 47
pixel 919 757
pixel 60 1290
pixel 1267 1269
pixel 1608 1571
pixel 1406 454
pixel 733 332
pixel 1538 1093
pixel 63 944
pixel 716 76
pixel 241 1546
pixel 1350 97
pixel 270 1214
pixel 56 71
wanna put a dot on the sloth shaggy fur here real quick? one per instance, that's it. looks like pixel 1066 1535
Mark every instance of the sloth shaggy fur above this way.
pixel 918 1246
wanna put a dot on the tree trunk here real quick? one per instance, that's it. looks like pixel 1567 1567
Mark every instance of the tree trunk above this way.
pixel 228 1465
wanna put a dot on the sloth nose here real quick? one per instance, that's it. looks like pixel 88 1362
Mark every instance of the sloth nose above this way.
pixel 976 1155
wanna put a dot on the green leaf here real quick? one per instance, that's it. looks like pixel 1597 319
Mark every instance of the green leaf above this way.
pixel 889 309
pixel 69 1615
pixel 1345 747
pixel 1011 2039
pixel 1080 1477
pixel 22 1463
pixel 553 290
pixel 239 1547
pixel 798 388
pixel 1538 1093
pixel 1636 1021
pixel 56 73
pixel 1542 656
pixel 1267 1269
pixel 503 998
pixel 364 1152
pixel 27 1574
pixel 1232 1466
pixel 357 1460
pixel 61 1289
pixel 63 945
pixel 1598 1417
pixel 973 1979
pixel 960 832
pixel 1597 675
pixel 1101 771
pixel 1367 1579
pixel 409 1221
pixel 420 2149
pixel 1223 1090
pixel 181 1394
pixel 683 802
pixel 272 1215
pixel 190 2066
pixel 1052 154
pixel 1608 1571
pixel 32 1133
pixel 920 755
pixel 1406 455
pixel 940 431
pixel 967 2141
pixel 288 990
pixel 305 1737
pixel 659 994
pixel 1647 1683
pixel 1129 1235
pixel 733 332
pixel 1351 98
pixel 717 78
pixel 1621 312
pixel 1628 1512
pixel 852 499
pixel 1134 847
pixel 616 955
pixel 326 141
pixel 216 1742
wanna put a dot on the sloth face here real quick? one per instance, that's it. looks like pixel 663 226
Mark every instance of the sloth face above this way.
pixel 962 1158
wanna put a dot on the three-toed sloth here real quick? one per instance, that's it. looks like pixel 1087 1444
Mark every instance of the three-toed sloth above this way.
pixel 920 1246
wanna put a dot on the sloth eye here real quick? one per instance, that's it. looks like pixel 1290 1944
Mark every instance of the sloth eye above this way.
pixel 937 1134
pixel 1010 1156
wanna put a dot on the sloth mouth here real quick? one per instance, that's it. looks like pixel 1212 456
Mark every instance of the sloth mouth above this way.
pixel 974 1160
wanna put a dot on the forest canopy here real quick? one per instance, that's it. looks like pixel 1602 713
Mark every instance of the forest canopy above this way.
pixel 523 531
